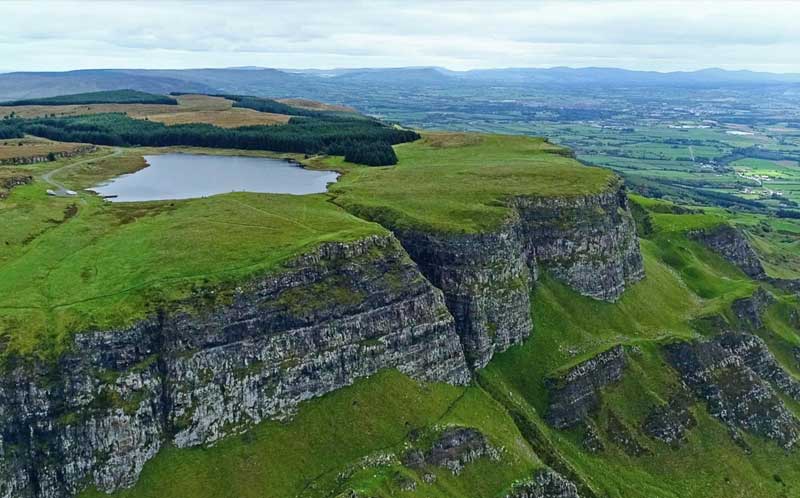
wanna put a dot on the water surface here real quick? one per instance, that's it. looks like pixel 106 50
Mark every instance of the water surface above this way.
pixel 185 176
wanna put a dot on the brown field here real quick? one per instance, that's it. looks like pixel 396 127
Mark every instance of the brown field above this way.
pixel 32 146
pixel 315 106
pixel 230 118
pixel 190 109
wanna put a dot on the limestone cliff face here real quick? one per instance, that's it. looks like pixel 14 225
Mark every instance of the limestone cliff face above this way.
pixel 741 383
pixel 232 358
pixel 545 483
pixel 732 245
pixel 340 313
pixel 589 242
pixel 574 395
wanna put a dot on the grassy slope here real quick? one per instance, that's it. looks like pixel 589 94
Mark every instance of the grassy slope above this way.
pixel 70 264
pixel 458 182
pixel 683 281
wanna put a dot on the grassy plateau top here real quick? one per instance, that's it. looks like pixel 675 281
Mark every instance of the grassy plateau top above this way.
pixel 72 264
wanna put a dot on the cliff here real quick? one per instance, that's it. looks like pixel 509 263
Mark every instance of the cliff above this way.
pixel 589 242
pixel 731 244
pixel 339 313
pixel 432 304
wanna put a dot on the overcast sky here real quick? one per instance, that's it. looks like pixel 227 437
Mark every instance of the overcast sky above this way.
pixel 675 35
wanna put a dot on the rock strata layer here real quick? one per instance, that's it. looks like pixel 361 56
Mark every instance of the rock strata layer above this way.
pixel 545 484
pixel 577 393
pixel 589 242
pixel 732 245
pixel 340 313
pixel 232 358
pixel 741 382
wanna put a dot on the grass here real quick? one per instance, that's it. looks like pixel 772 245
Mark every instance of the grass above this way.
pixel 71 264
pixel 569 328
pixel 453 182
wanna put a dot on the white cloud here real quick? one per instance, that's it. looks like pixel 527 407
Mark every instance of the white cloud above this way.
pixel 660 35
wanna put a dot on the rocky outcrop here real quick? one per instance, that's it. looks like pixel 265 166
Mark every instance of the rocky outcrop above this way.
pixel 453 449
pixel 233 357
pixel 52 156
pixel 670 423
pixel 545 484
pixel 750 309
pixel 588 241
pixel 731 244
pixel 739 379
pixel 343 312
pixel 575 394
pixel 12 181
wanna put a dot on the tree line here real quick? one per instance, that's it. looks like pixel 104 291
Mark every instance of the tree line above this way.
pixel 359 139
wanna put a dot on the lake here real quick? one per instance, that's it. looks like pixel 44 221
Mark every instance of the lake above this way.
pixel 185 176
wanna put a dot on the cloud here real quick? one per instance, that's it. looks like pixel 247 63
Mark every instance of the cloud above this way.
pixel 660 35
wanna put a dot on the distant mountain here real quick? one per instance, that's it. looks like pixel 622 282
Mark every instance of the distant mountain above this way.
pixel 18 86
pixel 402 75
pixel 339 85
pixel 625 77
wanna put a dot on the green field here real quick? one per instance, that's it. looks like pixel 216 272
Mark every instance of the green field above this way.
pixel 453 182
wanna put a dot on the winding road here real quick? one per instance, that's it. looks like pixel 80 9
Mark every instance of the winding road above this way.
pixel 60 189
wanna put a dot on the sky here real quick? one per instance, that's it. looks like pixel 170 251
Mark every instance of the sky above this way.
pixel 644 35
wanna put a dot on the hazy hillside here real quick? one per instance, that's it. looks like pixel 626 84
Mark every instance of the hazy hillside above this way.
pixel 332 84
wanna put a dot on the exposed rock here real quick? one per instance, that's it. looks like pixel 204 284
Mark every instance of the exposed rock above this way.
pixel 622 436
pixel 10 182
pixel 591 440
pixel 735 375
pixel 751 309
pixel 405 483
pixel 455 448
pixel 486 282
pixel 575 394
pixel 108 405
pixel 545 484
pixel 42 158
pixel 731 244
pixel 588 241
pixel 342 312
pixel 671 422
